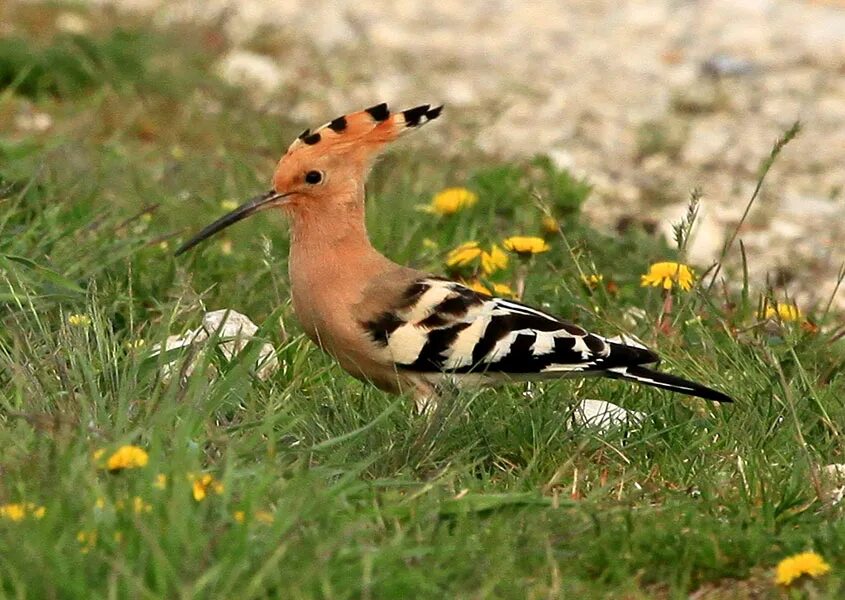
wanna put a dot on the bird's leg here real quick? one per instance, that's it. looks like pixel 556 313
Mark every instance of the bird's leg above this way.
pixel 426 397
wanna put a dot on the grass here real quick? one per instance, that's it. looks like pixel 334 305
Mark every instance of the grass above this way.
pixel 342 490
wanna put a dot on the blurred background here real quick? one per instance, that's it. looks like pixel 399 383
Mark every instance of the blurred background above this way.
pixel 647 99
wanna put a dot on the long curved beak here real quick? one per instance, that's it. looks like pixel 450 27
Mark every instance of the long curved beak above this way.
pixel 242 212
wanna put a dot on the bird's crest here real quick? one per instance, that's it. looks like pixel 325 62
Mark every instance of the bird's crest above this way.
pixel 368 129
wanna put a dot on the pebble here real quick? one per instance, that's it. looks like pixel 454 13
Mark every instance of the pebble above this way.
pixel 33 121
pixel 71 22
pixel 604 416
pixel 253 71
pixel 234 331
pixel 833 482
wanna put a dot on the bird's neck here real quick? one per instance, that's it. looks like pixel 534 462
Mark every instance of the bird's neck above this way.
pixel 315 222
pixel 331 262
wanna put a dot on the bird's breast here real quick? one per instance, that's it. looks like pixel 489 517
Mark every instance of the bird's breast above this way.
pixel 324 307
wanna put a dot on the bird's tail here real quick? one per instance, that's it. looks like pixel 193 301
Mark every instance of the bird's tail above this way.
pixel 666 381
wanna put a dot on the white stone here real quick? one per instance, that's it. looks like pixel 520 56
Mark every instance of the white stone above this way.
pixel 562 159
pixel 835 471
pixel 634 315
pixel 172 343
pixel 234 331
pixel 604 416
pixel 248 69
pixel 71 22
pixel 707 139
pixel 237 330
pixel 628 339
pixel 33 121
pixel 459 92
pixel 833 481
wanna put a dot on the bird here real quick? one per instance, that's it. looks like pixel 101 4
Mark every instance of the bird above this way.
pixel 404 330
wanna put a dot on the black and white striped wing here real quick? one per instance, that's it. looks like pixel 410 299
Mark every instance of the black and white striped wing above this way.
pixel 443 326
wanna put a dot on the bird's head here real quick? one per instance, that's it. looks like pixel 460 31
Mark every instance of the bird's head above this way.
pixel 327 167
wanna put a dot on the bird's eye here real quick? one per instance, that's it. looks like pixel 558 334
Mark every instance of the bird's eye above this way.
pixel 313 177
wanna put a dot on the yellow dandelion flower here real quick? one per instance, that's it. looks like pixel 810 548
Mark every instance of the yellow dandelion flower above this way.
pixel 668 274
pixel 451 200
pixel 225 247
pixel 203 484
pixel 782 312
pixel 477 286
pixel 463 255
pixel 160 481
pixel 13 512
pixel 87 540
pixel 20 510
pixel 503 289
pixel 139 505
pixel 79 320
pixel 796 566
pixel 239 516
pixel 127 457
pixel 550 225
pixel 494 260
pixel 228 205
pixel 526 245
pixel 592 281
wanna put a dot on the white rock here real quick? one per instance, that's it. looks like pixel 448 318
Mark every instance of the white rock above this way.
pixel 238 330
pixel 234 332
pixel 248 69
pixel 460 92
pixel 810 207
pixel 171 343
pixel 708 139
pixel 627 339
pixel 71 22
pixel 785 229
pixel 835 471
pixel 604 416
pixel 634 315
pixel 33 121
pixel 833 479
pixel 562 159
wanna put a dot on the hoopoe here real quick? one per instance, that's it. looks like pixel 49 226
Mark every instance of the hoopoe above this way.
pixel 399 328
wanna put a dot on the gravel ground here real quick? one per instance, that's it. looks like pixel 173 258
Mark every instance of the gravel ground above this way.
pixel 647 98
